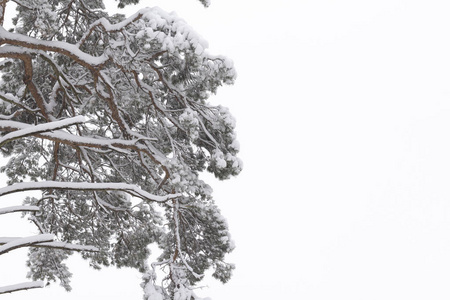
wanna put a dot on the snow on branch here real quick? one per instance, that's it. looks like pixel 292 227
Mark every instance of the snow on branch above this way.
pixel 21 287
pixel 40 128
pixel 65 137
pixel 14 100
pixel 133 190
pixel 54 245
pixel 12 209
pixel 26 241
pixel 143 83
pixel 4 240
pixel 141 143
pixel 112 27
pixel 67 49
pixel 67 246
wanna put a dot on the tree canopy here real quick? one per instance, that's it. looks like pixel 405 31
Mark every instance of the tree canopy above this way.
pixel 109 117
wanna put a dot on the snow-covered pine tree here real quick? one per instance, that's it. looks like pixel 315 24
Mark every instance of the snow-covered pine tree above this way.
pixel 108 117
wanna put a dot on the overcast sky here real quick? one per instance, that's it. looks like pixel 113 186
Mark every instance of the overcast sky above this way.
pixel 343 113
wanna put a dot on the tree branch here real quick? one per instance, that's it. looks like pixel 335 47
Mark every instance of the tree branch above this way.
pixel 40 128
pixel 54 245
pixel 2 11
pixel 133 190
pixel 21 287
pixel 25 242
pixel 12 209
pixel 69 50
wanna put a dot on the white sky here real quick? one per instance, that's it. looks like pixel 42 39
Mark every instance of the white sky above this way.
pixel 343 111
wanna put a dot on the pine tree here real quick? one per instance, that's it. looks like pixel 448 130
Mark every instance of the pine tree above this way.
pixel 109 117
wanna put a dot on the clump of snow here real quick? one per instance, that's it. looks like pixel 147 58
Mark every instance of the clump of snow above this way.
pixel 235 145
pixel 189 120
pixel 218 157
pixel 151 291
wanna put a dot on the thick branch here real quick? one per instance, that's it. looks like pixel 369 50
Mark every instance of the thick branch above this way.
pixel 12 209
pixel 21 287
pixel 40 128
pixel 81 141
pixel 86 186
pixel 28 77
pixel 25 242
pixel 69 50
pixel 54 245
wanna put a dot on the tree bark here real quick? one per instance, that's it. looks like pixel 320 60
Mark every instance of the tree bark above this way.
pixel 2 10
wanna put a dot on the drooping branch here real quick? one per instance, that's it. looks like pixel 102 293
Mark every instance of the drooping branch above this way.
pixel 178 249
pixel 133 190
pixel 81 141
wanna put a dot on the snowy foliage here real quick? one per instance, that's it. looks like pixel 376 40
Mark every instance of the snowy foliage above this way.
pixel 109 117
